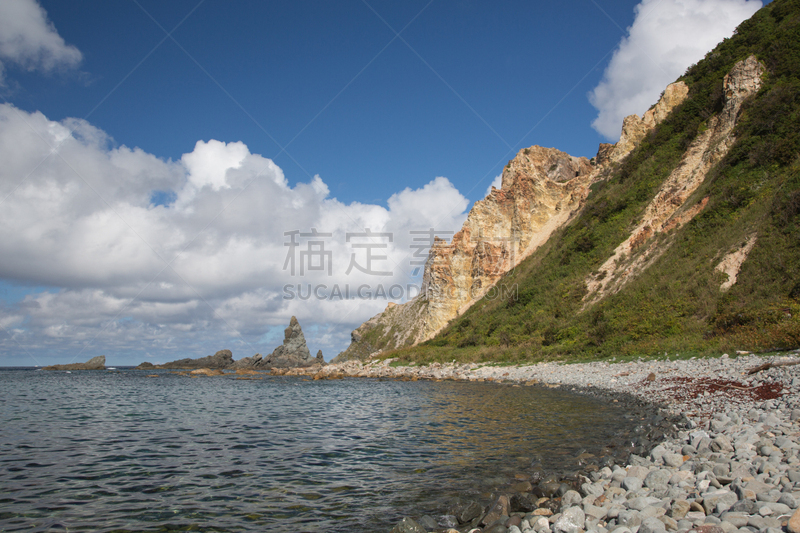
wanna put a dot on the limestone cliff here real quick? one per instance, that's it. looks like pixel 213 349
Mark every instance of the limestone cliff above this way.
pixel 542 190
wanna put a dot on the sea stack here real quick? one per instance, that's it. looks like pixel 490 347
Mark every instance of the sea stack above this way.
pixel 294 351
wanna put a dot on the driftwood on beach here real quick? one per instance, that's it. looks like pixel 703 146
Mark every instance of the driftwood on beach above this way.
pixel 767 366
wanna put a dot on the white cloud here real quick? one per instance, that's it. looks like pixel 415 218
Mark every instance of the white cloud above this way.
pixel 666 37
pixel 204 273
pixel 29 40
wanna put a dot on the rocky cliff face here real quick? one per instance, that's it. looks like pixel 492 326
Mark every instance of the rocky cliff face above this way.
pixel 542 190
pixel 669 209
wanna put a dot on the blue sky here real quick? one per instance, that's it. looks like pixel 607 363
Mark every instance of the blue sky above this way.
pixel 463 90
pixel 157 152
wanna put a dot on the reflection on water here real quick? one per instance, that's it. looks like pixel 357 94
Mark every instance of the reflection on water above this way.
pixel 104 451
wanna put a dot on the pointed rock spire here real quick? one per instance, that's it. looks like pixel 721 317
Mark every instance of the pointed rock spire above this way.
pixel 294 351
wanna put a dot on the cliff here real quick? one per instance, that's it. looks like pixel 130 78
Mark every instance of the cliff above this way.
pixel 683 237
pixel 542 190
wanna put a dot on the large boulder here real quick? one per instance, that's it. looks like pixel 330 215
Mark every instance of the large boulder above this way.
pixel 95 363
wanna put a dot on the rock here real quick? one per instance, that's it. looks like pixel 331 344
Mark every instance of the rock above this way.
pixel 466 512
pixel 629 519
pixel 718 501
pixel 594 511
pixel 744 506
pixel 498 509
pixel 794 523
pixel 737 519
pixel 571 521
pixel 569 499
pixel 721 443
pixel 657 478
pixel 427 523
pixel 669 523
pixel 524 486
pixel 679 509
pixel 652 525
pixel 638 471
pixel 247 362
pixel 207 372
pixel 221 359
pixel 708 529
pixel 320 360
pixel 294 351
pixel 641 502
pixel 522 502
pixel 631 483
pixel 788 500
pixel 95 363
pixel 408 525
pixel 673 460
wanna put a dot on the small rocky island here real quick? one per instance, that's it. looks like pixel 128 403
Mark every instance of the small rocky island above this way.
pixel 293 353
pixel 95 363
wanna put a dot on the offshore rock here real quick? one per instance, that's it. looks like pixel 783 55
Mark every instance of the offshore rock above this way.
pixel 95 363
pixel 294 351
pixel 220 360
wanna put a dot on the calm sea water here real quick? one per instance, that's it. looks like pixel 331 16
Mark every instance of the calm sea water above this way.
pixel 120 451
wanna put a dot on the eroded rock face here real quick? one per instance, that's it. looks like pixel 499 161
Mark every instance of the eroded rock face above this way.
pixel 634 128
pixel 95 363
pixel 669 209
pixel 542 190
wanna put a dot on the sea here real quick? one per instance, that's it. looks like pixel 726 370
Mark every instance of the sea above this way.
pixel 121 451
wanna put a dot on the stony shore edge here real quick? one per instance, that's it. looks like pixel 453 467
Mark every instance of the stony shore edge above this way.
pixel 730 461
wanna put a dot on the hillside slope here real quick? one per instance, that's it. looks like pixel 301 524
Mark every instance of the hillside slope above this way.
pixel 691 243
pixel 542 190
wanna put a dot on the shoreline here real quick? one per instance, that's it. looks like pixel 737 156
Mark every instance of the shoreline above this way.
pixel 729 461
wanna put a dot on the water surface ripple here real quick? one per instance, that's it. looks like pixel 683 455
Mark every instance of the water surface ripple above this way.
pixel 120 451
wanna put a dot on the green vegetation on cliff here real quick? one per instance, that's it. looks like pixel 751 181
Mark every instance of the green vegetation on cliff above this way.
pixel 675 304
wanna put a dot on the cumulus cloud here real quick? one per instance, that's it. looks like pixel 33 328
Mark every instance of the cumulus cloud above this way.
pixel 666 37
pixel 29 40
pixel 226 264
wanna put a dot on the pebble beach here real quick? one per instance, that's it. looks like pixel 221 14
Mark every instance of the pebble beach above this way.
pixel 720 454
